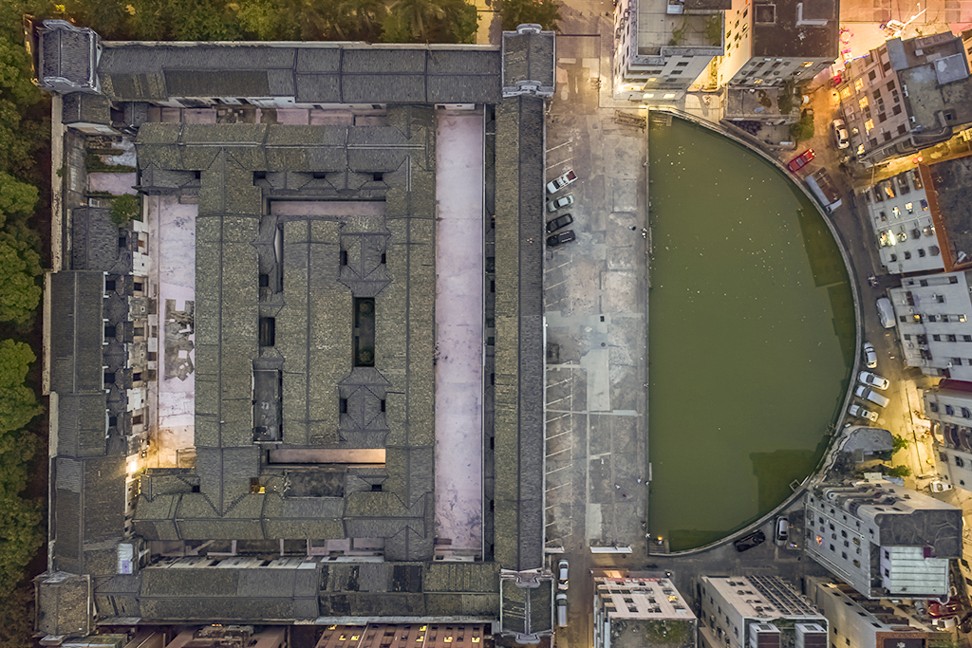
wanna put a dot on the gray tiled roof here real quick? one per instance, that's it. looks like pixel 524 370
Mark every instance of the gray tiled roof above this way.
pixel 519 334
pixel 285 592
pixel 65 56
pixel 528 57
pixel 390 406
pixel 312 73
pixel 85 107
pixel 63 600
pixel 81 424
pixel 97 516
pixel 77 331
pixel 313 330
pixel 94 242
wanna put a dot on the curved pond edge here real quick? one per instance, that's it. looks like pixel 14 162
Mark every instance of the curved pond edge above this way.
pixel 837 437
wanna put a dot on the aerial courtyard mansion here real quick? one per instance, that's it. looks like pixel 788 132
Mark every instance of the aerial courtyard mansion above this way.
pixel 306 382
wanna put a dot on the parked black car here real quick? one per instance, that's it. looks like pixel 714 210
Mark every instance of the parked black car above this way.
pixel 560 221
pixel 746 543
pixel 558 239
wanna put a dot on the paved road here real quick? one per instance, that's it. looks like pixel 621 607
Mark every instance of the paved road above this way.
pixel 596 315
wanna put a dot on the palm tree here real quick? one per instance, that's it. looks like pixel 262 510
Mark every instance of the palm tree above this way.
pixel 359 19
pixel 518 12
pixel 417 19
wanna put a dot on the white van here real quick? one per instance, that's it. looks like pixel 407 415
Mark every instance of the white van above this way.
pixel 865 393
pixel 885 312
pixel 561 609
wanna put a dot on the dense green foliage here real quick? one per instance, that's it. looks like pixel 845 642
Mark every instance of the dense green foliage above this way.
pixel 124 208
pixel 24 138
pixel 545 13
pixel 410 21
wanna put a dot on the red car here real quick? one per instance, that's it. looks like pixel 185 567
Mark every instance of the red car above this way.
pixel 800 161
pixel 938 610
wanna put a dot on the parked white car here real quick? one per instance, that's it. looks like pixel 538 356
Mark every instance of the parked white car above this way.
pixel 841 137
pixel 939 486
pixel 782 530
pixel 560 182
pixel 870 356
pixel 862 413
pixel 873 380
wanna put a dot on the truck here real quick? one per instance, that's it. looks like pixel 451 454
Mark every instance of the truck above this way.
pixel 868 394
pixel 562 181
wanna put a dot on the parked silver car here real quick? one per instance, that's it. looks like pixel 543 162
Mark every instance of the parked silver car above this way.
pixel 560 203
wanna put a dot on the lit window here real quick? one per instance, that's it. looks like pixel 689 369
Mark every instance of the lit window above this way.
pixel 869 125
pixel 475 639
pixel 859 84
pixel 448 639
pixel 669 95
pixel 845 93
pixel 650 79
pixel 808 64
pixel 354 637
pixel 862 102
pixel 648 95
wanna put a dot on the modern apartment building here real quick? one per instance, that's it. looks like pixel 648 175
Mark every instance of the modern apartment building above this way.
pixel 662 46
pixel 906 95
pixel 901 219
pixel 922 217
pixel 243 383
pixel 860 622
pixel 763 611
pixel 792 41
pixel 882 539
pixel 933 313
pixel 638 609
pixel 948 406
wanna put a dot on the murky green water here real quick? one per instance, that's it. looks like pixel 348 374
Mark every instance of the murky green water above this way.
pixel 751 335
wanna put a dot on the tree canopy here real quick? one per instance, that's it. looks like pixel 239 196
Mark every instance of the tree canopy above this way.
pixel 18 404
pixel 19 268
pixel 545 13
pixel 409 21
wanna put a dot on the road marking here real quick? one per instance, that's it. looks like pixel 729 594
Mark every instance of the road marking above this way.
pixel 554 454
pixel 550 472
pixel 559 163
pixel 554 148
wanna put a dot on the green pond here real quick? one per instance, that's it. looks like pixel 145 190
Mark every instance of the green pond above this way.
pixel 751 335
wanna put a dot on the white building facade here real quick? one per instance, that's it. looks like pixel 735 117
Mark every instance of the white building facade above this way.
pixel 949 407
pixel 933 323
pixel 882 539
pixel 636 606
pixel 663 46
pixel 859 622
pixel 901 220
pixel 742 611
